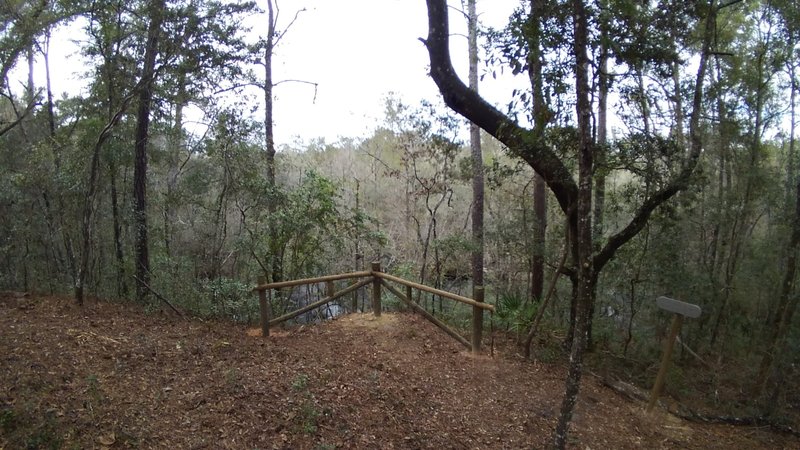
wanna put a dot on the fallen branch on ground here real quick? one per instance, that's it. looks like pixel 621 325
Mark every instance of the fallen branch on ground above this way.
pixel 694 416
pixel 160 297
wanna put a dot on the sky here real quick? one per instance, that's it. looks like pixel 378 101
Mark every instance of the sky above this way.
pixel 357 51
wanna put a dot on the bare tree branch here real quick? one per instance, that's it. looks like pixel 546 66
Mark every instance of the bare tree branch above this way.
pixel 281 34
pixel 20 117
pixel 316 86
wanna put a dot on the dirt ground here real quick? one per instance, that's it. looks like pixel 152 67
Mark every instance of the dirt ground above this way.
pixel 113 376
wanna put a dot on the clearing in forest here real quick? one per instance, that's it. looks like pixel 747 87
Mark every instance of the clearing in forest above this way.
pixel 112 376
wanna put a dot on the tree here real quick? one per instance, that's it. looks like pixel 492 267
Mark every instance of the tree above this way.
pixel 574 197
pixel 476 156
pixel 108 36
pixel 772 370
pixel 155 13
pixel 23 23
pixel 267 46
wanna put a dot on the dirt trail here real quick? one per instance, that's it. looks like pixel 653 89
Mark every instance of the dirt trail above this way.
pixel 111 376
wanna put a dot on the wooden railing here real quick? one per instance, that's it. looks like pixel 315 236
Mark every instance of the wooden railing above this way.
pixel 378 280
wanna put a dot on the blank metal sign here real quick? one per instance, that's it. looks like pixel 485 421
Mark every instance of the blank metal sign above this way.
pixel 678 307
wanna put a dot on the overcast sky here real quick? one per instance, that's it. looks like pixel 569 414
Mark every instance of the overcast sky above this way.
pixel 358 51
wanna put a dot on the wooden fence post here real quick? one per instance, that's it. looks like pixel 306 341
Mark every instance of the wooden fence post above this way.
pixel 680 310
pixel 408 293
pixel 330 289
pixel 477 319
pixel 376 290
pixel 677 320
pixel 354 306
pixel 263 307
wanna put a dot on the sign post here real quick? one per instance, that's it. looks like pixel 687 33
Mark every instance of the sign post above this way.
pixel 681 310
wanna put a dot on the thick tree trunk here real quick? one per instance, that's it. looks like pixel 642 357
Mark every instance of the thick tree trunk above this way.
pixel 583 248
pixel 140 156
pixel 477 156
pixel 276 262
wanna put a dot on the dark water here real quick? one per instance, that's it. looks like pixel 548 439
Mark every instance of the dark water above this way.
pixel 305 295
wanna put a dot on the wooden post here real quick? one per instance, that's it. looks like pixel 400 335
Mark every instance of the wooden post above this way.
pixel 477 320
pixel 408 293
pixel 376 290
pixel 677 321
pixel 264 307
pixel 330 289
pixel 354 306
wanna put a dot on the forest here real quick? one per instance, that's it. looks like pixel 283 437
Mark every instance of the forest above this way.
pixel 652 152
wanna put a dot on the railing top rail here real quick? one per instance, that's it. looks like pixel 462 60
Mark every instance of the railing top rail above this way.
pixel 341 276
pixel 435 291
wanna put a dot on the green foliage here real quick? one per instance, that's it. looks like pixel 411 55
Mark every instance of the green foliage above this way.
pixel 21 430
pixel 233 379
pixel 305 229
pixel 498 171
pixel 309 413
pixel 515 313
pixel 230 298
pixel 404 270
pixel 454 253
pixel 300 383
pixel 45 437
pixel 8 420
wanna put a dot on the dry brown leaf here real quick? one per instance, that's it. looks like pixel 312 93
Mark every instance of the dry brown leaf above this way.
pixel 107 440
